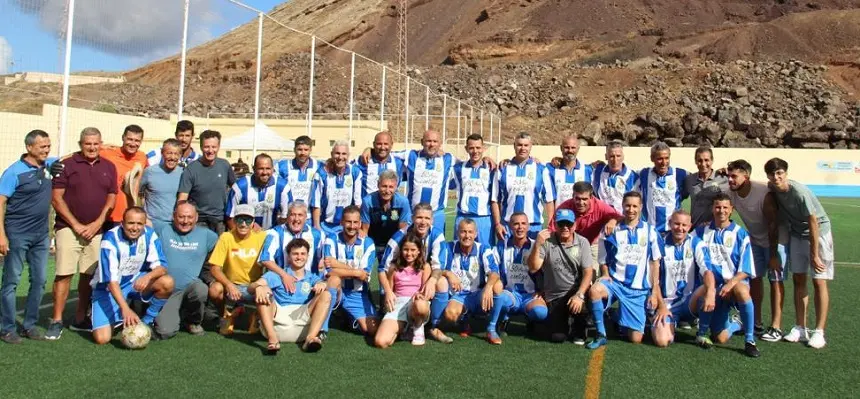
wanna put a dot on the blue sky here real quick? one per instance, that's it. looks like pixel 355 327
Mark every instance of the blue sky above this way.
pixel 110 35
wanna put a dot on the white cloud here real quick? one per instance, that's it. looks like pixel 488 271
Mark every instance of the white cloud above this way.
pixel 141 29
pixel 5 56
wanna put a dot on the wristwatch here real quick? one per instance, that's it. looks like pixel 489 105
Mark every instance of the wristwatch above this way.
pixel 581 296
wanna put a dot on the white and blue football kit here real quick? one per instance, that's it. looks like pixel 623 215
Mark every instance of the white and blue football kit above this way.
pixel 563 179
pixel 270 202
pixel 473 269
pixel 610 186
pixel 627 253
pixel 474 184
pixel 299 178
pixel 427 180
pixel 331 193
pixel 435 247
pixel 123 261
pixel 359 255
pixel 661 195
pixel 275 246
pixel 518 282
pixel 370 172
pixel 523 187
pixel 682 270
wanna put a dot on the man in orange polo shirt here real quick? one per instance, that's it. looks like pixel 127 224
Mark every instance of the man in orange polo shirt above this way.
pixel 124 158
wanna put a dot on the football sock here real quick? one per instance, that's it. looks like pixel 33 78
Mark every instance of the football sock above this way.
pixel 437 307
pixel 599 308
pixel 155 305
pixel 747 315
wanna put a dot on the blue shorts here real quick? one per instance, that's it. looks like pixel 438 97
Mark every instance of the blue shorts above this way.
pixel 761 262
pixel 681 312
pixel 439 218
pixel 331 228
pixel 720 317
pixel 471 301
pixel 357 304
pixel 105 309
pixel 484 224
pixel 631 304
pixel 520 300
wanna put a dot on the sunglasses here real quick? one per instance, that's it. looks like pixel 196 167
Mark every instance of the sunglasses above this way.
pixel 564 224
pixel 245 220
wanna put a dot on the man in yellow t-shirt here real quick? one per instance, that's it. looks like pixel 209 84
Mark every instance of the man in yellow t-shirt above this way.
pixel 234 264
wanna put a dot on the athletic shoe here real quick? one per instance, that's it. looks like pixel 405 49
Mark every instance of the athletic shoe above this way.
pixel 196 329
pixel 502 328
pixel 85 325
pixel 704 342
pixel 35 334
pixel 323 335
pixel 577 340
pixel 418 338
pixel 817 340
pixel 493 338
pixel 685 325
pixel 772 335
pixel 758 330
pixel 597 342
pixel 577 336
pixel 797 334
pixel 438 335
pixel 55 330
pixel 11 337
pixel 751 350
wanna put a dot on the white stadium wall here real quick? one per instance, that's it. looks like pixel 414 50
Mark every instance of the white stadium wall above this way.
pixel 828 172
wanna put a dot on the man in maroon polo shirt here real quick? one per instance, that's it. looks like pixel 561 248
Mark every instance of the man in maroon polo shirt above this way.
pixel 593 216
pixel 83 195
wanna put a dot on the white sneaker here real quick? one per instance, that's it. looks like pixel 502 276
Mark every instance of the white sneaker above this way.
pixel 797 334
pixel 418 336
pixel 817 340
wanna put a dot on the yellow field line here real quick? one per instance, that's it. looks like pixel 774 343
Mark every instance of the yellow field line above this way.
pixel 595 373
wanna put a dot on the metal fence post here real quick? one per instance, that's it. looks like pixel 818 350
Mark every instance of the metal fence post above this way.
pixel 351 96
pixel 259 78
pixel 382 102
pixel 67 63
pixel 181 106
pixel 311 89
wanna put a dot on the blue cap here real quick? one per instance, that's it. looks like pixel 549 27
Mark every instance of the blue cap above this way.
pixel 564 215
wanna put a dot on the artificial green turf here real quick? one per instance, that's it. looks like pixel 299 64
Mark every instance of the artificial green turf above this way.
pixel 213 366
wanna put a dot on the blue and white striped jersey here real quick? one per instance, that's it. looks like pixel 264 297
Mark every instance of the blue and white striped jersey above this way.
pixel 661 195
pixel 361 254
pixel 121 260
pixel 523 187
pixel 563 179
pixel 435 247
pixel 730 251
pixel 427 179
pixel 471 268
pixel 299 179
pixel 610 187
pixel 682 268
pixel 513 266
pixel 275 246
pixel 627 253
pixel 333 192
pixel 270 202
pixel 370 172
pixel 154 157
pixel 474 186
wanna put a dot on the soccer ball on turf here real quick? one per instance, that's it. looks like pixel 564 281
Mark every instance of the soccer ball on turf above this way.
pixel 136 336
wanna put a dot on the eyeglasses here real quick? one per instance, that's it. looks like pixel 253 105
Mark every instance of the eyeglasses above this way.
pixel 564 224
pixel 245 220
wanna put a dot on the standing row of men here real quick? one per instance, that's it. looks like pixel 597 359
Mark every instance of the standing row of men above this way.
pixel 487 196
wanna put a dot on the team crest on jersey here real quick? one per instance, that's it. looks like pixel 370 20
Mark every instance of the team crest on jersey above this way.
pixel 473 265
pixel 270 196
pixel 359 252
pixel 306 288
pixel 141 249
pixel 395 215
pixel 347 181
pixel 641 241
pixel 530 175
pixel 620 184
pixel 729 239
pixel 688 254
pixel 438 165
pixel 670 185
pixel 485 174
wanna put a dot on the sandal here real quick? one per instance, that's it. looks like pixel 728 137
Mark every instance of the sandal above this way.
pixel 312 345
pixel 273 348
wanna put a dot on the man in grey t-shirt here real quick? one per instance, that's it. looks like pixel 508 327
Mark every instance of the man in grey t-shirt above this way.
pixel 564 258
pixel 206 181
pixel 704 186
pixel 810 249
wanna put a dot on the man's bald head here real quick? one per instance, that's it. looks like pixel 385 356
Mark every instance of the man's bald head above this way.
pixel 431 142
pixel 382 145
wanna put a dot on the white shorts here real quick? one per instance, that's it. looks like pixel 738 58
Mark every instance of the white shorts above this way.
pixel 799 261
pixel 401 309
pixel 291 323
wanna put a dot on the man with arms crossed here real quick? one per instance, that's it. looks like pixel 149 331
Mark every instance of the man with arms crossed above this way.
pixel 564 258
pixel 472 179
pixel 629 259
pixel 685 277
pixel 293 315
pixel 731 260
pixel 522 185
pixel 131 267
pixel 757 207
pixel 83 194
pixel 810 249
pixel 186 247
pixel 349 260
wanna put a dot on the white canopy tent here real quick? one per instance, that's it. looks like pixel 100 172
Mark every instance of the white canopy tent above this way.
pixel 266 140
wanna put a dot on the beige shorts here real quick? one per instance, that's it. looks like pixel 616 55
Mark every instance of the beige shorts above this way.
pixel 291 323
pixel 401 309
pixel 799 261
pixel 75 254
